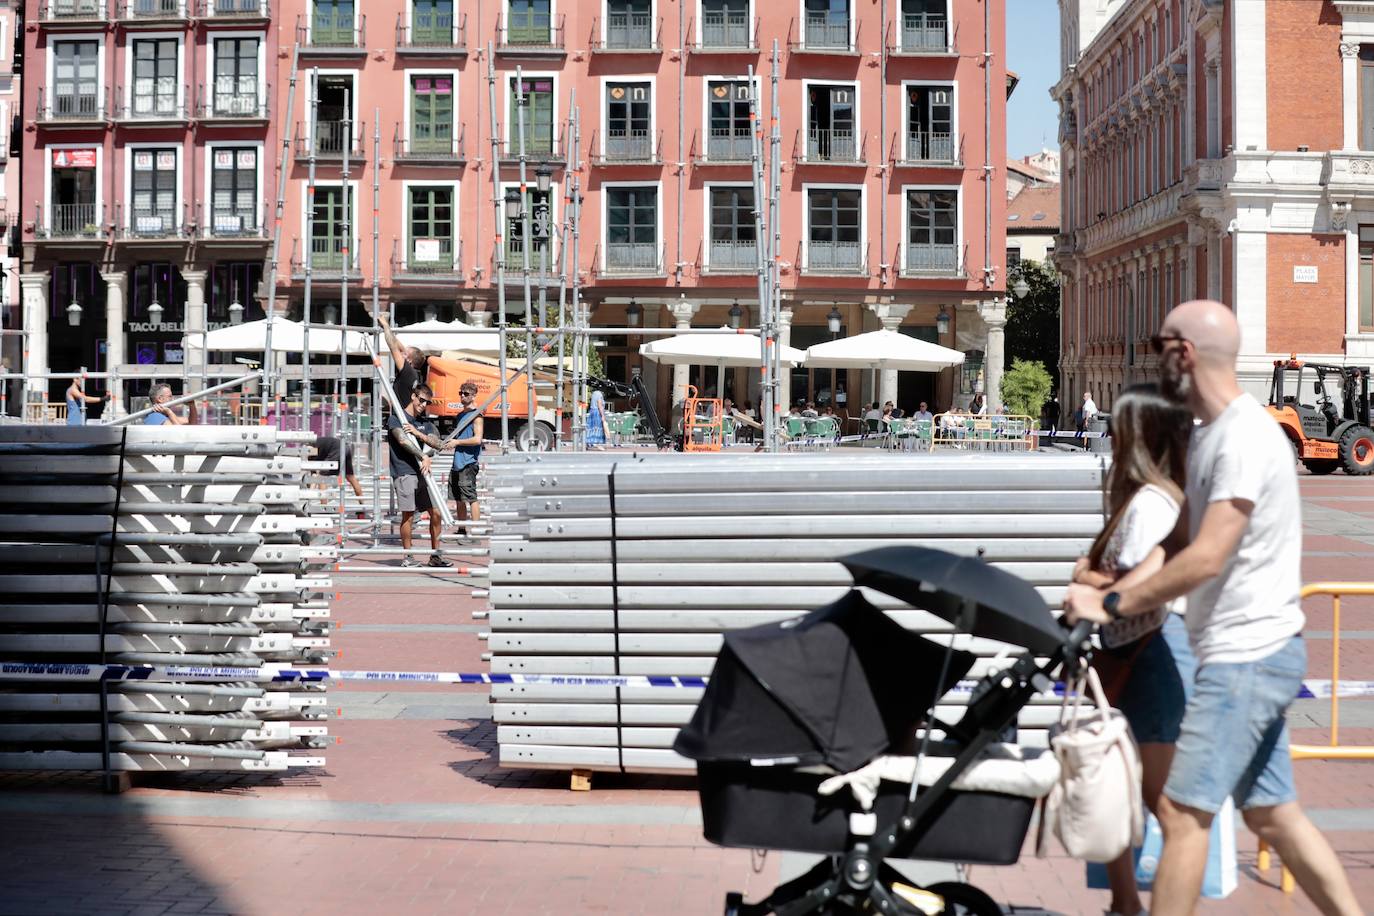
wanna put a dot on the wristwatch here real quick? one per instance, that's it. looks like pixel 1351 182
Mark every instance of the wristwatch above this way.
pixel 1110 601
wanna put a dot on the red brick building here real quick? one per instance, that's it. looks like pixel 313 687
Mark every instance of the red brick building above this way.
pixel 1219 148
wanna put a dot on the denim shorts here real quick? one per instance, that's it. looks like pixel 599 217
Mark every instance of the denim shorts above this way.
pixel 1160 683
pixel 1234 739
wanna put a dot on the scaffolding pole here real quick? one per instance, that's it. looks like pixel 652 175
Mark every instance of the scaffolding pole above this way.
pixel 762 254
pixel 347 193
pixel 775 249
pixel 309 252
pixel 498 204
pixel 276 232
pixel 580 341
pixel 374 434
pixel 526 240
pixel 560 390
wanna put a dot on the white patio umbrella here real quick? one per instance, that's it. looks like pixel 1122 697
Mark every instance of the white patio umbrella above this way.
pixel 732 349
pixel 287 337
pixel 436 336
pixel 882 350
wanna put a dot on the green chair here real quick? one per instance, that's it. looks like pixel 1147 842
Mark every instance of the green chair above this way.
pixel 727 430
pixel 796 429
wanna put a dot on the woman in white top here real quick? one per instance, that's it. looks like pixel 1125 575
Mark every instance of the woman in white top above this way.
pixel 1144 495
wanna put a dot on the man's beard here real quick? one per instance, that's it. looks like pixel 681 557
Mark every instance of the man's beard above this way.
pixel 1175 384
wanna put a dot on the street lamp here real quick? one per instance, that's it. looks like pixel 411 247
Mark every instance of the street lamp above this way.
pixel 833 320
pixel 1020 287
pixel 942 322
pixel 512 203
pixel 632 314
pixel 155 313
pixel 543 177
pixel 74 314
pixel 431 313
pixel 236 312
pixel 736 316
pixel 331 314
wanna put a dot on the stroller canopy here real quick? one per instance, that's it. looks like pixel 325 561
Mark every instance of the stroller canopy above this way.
pixel 1006 608
pixel 839 686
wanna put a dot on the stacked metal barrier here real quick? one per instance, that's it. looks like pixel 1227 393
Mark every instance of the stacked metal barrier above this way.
pixel 700 544
pixel 159 545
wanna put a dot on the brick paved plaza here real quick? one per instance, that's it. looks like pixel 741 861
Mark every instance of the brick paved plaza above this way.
pixel 412 816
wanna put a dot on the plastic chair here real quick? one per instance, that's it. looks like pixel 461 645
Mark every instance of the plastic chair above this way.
pixel 727 429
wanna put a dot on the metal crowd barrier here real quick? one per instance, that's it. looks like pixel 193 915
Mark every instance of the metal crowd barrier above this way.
pixel 634 564
pixel 998 433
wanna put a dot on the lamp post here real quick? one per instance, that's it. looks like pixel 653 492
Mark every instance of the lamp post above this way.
pixel 942 322
pixel 736 316
pixel 833 322
pixel 74 314
pixel 236 308
pixel 633 314
pixel 155 313
pixel 542 213
pixel 1020 287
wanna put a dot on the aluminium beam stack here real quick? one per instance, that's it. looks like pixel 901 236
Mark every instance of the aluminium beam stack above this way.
pixel 706 543
pixel 160 545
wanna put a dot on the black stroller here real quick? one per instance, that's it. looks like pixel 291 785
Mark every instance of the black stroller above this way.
pixel 833 691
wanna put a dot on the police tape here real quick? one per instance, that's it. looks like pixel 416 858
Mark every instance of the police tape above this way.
pixel 285 674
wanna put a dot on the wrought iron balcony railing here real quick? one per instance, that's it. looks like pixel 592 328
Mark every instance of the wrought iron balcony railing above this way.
pixel 71 106
pixel 68 221
pixel 151 11
pixel 834 257
pixel 238 10
pixel 832 144
pixel 532 33
pixel 626 31
pixel 729 145
pixel 333 31
pixel 431 32
pixel 331 140
pixel 733 256
pixel 726 30
pixel 930 147
pixel 932 259
pixel 233 100
pixel 427 259
pixel 151 223
pixel 924 33
pixel 428 145
pixel 633 258
pixel 56 12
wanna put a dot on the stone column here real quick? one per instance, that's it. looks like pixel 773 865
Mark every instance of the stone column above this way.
pixel 683 312
pixel 784 387
pixel 116 283
pixel 785 316
pixel 33 294
pixel 480 319
pixel 890 316
pixel 994 315
pixel 1350 94
pixel 194 324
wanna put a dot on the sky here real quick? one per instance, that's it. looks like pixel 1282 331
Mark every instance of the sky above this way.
pixel 1033 53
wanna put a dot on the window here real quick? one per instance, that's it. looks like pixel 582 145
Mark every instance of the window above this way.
pixel 830 124
pixel 627 122
pixel 153 210
pixel 431 23
pixel 834 229
pixel 932 231
pixel 729 138
pixel 632 229
pixel 334 125
pixel 971 372
pixel 431 228
pixel 734 241
pixel 1013 258
pixel 827 24
pixel 76 80
pixel 155 78
pixel 923 25
pixel 161 283
pixel 1367 280
pixel 74 203
pixel 1366 63
pixel 330 228
pixel 629 24
pixel 538 116
pixel 725 24
pixel 531 23
pixel 234 191
pixel 431 114
pixel 930 123
pixel 332 23
pixel 236 76
pixel 540 205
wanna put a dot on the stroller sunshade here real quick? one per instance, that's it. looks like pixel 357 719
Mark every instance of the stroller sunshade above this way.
pixel 1007 608
pixel 837 687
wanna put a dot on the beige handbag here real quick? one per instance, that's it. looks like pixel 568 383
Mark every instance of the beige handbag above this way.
pixel 1095 809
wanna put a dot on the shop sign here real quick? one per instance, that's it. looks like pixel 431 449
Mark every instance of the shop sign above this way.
pixel 169 327
pixel 73 158
pixel 1304 273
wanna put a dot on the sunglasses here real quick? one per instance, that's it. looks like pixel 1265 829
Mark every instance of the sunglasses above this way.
pixel 424 402
pixel 1158 341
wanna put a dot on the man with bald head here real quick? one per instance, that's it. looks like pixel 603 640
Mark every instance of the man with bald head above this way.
pixel 1236 554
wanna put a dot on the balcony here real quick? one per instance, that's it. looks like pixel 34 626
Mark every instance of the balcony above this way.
pixel 73 13
pixel 923 35
pixel 147 13
pixel 626 33
pixel 329 262
pixel 541 145
pixel 633 259
pixel 150 224
pixel 514 265
pixel 232 226
pixel 69 222
pixel 431 34
pixel 834 258
pixel 923 260
pixel 70 109
pixel 726 146
pixel 725 32
pixel 429 151
pixel 331 141
pixel 233 12
pixel 332 35
pixel 149 109
pixel 429 262
pixel 231 105
pixel 732 256
pixel 822 34
pixel 533 35
pixel 930 148
pixel 629 147
pixel 833 146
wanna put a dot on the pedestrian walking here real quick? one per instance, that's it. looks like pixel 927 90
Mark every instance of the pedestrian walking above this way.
pixel 467 455
pixel 77 399
pixel 598 427
pixel 1236 553
pixel 1145 663
pixel 1085 413
pixel 408 463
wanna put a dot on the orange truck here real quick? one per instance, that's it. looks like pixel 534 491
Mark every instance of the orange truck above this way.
pixel 447 375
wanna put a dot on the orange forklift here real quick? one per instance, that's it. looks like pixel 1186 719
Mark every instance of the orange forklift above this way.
pixel 1325 434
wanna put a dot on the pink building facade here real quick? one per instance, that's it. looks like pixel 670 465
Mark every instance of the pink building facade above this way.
pixel 11 345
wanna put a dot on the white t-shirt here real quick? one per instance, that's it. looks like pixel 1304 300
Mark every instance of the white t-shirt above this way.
pixel 1253 607
pixel 1149 518
pixel 1089 409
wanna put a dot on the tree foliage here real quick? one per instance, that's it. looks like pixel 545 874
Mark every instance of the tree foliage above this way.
pixel 1025 388
pixel 1033 322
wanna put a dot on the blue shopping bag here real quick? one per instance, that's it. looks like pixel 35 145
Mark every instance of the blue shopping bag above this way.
pixel 1220 879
